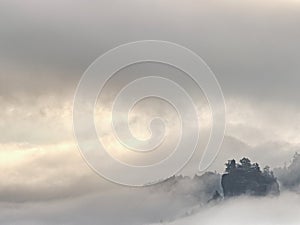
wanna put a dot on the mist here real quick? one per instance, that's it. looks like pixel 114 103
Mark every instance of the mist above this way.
pixel 252 47
pixel 248 211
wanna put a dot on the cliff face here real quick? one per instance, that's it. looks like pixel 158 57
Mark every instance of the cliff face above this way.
pixel 248 179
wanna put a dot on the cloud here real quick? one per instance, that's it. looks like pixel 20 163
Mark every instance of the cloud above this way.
pixel 121 205
pixel 252 46
pixel 42 120
pixel 34 173
pixel 264 211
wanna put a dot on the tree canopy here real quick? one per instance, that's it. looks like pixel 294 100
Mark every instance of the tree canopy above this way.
pixel 245 177
pixel 244 164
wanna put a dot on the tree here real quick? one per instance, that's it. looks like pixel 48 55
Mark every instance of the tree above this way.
pixel 217 196
pixel 230 166
pixel 266 170
pixel 256 167
pixel 296 157
pixel 245 163
pixel 247 178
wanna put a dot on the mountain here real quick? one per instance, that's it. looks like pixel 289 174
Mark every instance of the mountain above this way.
pixel 289 177
pixel 200 187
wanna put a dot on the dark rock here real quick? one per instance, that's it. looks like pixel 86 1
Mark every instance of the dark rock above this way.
pixel 246 178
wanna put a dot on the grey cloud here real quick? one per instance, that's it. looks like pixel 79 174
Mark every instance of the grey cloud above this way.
pixel 115 206
pixel 266 211
pixel 40 173
pixel 253 48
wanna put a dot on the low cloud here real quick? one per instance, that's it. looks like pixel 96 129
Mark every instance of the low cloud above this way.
pixel 249 211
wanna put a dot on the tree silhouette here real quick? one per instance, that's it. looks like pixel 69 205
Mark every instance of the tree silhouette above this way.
pixel 245 163
pixel 230 166
pixel 247 178
pixel 256 167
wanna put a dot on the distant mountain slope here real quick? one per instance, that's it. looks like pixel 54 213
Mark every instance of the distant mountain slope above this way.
pixel 289 177
pixel 200 187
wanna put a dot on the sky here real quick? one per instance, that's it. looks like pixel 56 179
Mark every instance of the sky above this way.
pixel 252 47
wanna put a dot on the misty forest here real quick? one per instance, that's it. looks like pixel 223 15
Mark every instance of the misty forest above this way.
pixel 239 179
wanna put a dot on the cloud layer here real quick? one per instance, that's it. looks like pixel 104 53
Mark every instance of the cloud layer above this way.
pixel 252 46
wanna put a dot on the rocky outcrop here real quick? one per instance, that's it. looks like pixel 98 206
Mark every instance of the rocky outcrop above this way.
pixel 245 178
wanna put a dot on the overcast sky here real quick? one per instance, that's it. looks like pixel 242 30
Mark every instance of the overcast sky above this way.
pixel 252 47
